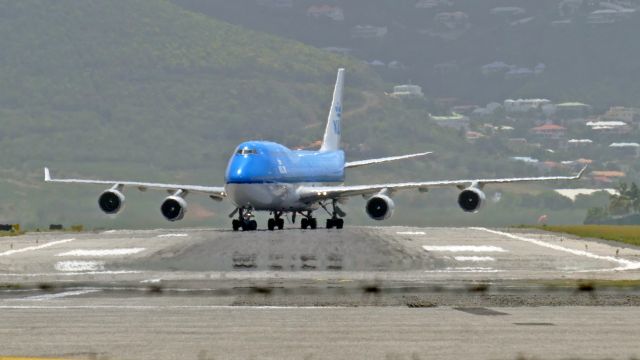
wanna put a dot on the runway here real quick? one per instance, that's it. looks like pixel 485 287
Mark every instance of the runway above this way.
pixel 360 292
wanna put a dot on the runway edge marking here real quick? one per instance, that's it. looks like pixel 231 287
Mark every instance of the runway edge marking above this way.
pixel 625 264
pixel 31 248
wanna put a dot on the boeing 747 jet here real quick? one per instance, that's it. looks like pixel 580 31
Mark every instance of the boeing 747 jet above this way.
pixel 266 176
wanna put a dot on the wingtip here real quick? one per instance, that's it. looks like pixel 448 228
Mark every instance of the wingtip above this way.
pixel 47 174
pixel 582 171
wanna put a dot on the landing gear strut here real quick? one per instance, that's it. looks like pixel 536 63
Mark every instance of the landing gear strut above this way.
pixel 244 221
pixel 276 221
pixel 308 221
pixel 335 221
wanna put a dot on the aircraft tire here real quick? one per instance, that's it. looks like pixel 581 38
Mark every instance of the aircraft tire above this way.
pixel 280 224
pixel 271 224
pixel 304 223
pixel 235 224
pixel 329 223
pixel 313 223
pixel 339 223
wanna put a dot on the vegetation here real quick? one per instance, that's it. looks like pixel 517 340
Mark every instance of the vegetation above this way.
pixel 626 201
pixel 146 90
pixel 625 234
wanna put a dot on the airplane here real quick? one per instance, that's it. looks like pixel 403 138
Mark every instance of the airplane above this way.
pixel 266 176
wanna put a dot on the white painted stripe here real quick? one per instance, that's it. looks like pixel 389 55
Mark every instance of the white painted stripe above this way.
pixel 156 307
pixel 466 270
pixel 112 272
pixel 59 295
pixel 109 232
pixel 31 248
pixel 624 263
pixel 75 265
pixel 173 235
pixel 102 252
pixel 465 248
pixel 410 233
pixel 151 281
pixel 474 258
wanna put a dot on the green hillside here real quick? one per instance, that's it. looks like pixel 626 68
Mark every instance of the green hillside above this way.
pixel 145 90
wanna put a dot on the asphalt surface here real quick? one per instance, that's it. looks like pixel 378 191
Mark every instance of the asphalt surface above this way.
pixel 360 292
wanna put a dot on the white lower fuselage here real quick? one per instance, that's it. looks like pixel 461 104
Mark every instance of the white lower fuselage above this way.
pixel 268 196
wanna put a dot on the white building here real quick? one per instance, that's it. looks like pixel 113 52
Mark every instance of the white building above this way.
pixel 524 105
pixel 411 91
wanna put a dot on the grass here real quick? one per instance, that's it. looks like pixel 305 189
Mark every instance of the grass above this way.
pixel 622 233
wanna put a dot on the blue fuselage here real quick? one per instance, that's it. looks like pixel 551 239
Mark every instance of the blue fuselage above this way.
pixel 265 175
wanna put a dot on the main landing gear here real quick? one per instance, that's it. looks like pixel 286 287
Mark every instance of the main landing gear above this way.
pixel 245 221
pixel 276 221
pixel 308 221
pixel 335 221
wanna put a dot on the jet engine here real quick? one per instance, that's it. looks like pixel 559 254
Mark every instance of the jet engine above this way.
pixel 174 207
pixel 111 201
pixel 380 207
pixel 471 199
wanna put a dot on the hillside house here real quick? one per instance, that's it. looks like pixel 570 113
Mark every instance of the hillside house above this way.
pixel 524 105
pixel 572 110
pixel 407 91
pixel 549 131
pixel 454 121
pixel 332 12
pixel 609 127
pixel 621 113
pixel 579 142
pixel 368 32
pixel 626 148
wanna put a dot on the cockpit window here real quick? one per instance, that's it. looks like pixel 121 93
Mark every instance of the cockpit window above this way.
pixel 246 151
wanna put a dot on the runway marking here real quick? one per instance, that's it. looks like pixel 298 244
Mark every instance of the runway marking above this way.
pixel 464 248
pixel 151 281
pixel 38 247
pixel 112 272
pixel 173 235
pixel 474 258
pixel 76 265
pixel 624 263
pixel 109 231
pixel 102 253
pixel 466 270
pixel 160 307
pixel 59 295
pixel 410 233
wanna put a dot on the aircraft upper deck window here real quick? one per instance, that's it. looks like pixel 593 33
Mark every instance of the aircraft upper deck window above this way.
pixel 246 151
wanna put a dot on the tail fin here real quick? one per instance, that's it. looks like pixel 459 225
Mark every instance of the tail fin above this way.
pixel 331 140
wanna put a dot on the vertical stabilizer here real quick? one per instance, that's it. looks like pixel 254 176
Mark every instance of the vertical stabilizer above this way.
pixel 331 140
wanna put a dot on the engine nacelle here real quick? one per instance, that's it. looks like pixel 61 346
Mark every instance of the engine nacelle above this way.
pixel 173 208
pixel 380 207
pixel 111 201
pixel 471 199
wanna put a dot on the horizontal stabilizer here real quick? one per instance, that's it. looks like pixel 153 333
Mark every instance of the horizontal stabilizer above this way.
pixel 358 163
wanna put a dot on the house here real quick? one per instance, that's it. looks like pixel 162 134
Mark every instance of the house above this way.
pixel 496 67
pixel 407 91
pixel 455 121
pixel 276 4
pixel 609 127
pixel 549 131
pixel 473 135
pixel 332 12
pixel 626 148
pixel 524 105
pixel 621 113
pixel 368 32
pixel 572 110
pixel 579 142
pixel 606 177
pixel 428 4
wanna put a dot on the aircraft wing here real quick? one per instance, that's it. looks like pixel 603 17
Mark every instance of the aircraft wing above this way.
pixel 216 193
pixel 358 163
pixel 313 194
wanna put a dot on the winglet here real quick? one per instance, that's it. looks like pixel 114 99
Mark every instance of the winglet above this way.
pixel 582 172
pixel 47 174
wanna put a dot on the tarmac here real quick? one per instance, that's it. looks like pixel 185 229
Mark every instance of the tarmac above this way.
pixel 360 292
